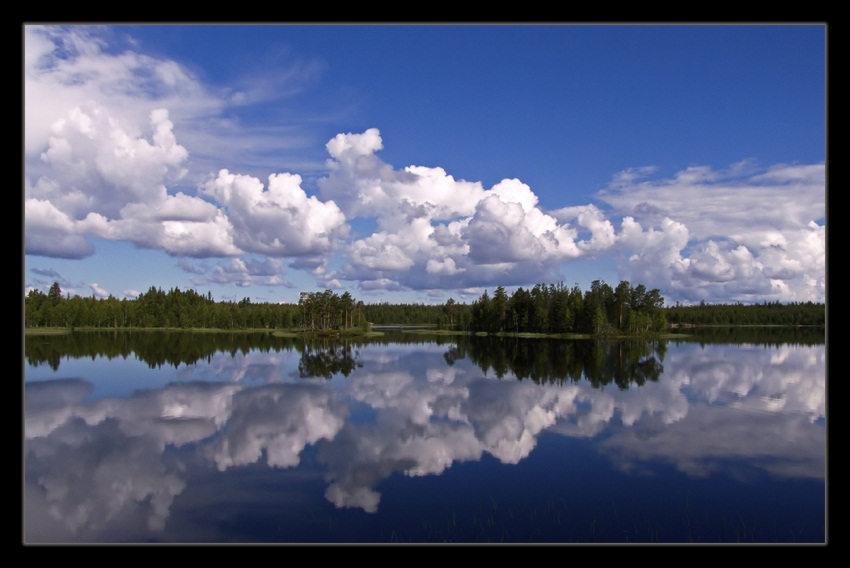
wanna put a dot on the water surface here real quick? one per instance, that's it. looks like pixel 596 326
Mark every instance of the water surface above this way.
pixel 181 437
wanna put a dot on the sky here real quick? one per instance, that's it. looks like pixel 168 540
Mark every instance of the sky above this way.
pixel 417 163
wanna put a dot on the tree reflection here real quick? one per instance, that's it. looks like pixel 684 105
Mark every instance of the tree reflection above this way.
pixel 544 360
pixel 325 358
pixel 155 348
pixel 105 468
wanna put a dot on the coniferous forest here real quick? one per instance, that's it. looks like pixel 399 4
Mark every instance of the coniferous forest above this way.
pixel 547 309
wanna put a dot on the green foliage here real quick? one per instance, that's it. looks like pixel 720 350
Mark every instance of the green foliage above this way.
pixel 327 310
pixel 552 360
pixel 549 309
pixel 767 313
pixel 556 309
pixel 318 311
pixel 154 309
pixel 624 310
pixel 441 315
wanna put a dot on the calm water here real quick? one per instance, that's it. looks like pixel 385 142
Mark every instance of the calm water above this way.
pixel 172 438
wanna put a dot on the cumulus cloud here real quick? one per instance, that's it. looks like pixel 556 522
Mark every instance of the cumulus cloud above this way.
pixel 746 233
pixel 65 66
pixel 280 220
pixel 50 232
pixel 105 182
pixel 105 165
pixel 365 186
pixel 104 161
pixel 435 231
pixel 242 272
pixel 742 234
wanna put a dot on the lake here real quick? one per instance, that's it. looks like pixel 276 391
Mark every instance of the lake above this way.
pixel 414 437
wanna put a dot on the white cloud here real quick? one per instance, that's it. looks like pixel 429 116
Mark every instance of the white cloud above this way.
pixel 436 231
pixel 743 234
pixel 103 182
pixel 97 165
pixel 447 266
pixel 590 218
pixel 740 234
pixel 365 186
pixel 67 66
pixel 98 291
pixel 506 232
pixel 280 220
pixel 723 204
pixel 103 160
pixel 245 272
pixel 50 232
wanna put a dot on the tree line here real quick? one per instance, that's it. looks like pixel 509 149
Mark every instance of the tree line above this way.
pixel 555 309
pixel 155 308
pixel 551 309
pixel 185 309
pixel 766 313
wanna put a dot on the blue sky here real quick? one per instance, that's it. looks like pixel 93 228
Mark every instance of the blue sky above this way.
pixel 422 162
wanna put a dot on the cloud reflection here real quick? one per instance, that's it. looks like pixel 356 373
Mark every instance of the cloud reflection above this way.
pixel 100 468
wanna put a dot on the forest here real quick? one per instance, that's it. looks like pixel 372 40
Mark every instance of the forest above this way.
pixel 557 309
pixel 187 309
pixel 548 309
pixel 766 313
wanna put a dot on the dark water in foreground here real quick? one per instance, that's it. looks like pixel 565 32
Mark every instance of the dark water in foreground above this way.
pixel 216 438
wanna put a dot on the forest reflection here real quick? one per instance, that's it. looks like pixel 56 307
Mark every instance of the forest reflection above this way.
pixel 545 360
pixel 272 419
pixel 539 359
pixel 542 360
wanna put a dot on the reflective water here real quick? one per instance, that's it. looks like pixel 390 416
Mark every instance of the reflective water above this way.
pixel 157 437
